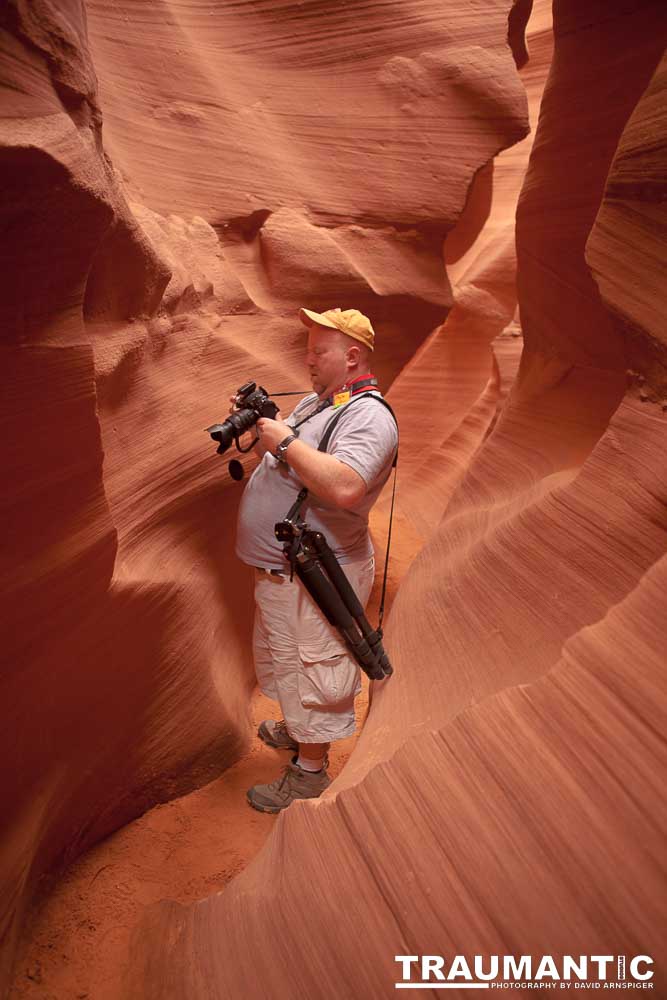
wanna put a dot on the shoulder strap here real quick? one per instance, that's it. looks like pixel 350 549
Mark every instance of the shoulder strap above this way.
pixel 328 431
pixel 330 427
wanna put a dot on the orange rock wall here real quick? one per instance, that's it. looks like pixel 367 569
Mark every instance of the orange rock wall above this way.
pixel 505 794
pixel 626 246
pixel 174 183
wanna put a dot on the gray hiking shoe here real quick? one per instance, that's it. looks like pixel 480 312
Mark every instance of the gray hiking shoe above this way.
pixel 275 734
pixel 295 783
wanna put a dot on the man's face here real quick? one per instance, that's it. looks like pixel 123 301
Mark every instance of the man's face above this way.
pixel 326 359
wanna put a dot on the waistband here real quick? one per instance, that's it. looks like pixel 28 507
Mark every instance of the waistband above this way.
pixel 272 572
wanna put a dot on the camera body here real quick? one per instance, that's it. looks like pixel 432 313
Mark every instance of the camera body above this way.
pixel 253 403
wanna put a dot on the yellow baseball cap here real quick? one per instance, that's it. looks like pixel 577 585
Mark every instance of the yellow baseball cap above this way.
pixel 349 321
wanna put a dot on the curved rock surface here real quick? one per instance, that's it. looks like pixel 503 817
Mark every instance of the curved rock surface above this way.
pixel 626 246
pixel 163 226
pixel 505 794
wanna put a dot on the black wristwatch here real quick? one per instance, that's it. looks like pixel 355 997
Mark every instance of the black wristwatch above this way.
pixel 283 446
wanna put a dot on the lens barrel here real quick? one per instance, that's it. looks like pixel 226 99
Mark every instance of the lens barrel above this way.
pixel 234 426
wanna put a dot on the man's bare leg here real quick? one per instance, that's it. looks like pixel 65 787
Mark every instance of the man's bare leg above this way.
pixel 312 755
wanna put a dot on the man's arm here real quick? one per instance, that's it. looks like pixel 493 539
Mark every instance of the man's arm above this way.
pixel 322 474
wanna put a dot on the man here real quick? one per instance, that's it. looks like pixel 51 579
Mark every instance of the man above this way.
pixel 300 660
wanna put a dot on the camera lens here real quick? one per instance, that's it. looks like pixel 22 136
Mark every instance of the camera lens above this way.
pixel 223 434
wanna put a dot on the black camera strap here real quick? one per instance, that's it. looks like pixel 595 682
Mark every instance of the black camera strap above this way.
pixel 323 406
pixel 322 446
pixel 329 401
pixel 331 426
pixel 326 437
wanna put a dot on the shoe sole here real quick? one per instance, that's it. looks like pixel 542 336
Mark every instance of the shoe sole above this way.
pixel 266 809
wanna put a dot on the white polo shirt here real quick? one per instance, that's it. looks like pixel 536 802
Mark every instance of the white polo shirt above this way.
pixel 365 438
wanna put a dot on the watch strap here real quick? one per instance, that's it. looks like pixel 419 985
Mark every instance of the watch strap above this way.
pixel 282 447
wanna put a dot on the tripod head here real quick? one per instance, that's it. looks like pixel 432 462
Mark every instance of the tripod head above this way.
pixel 291 529
pixel 292 526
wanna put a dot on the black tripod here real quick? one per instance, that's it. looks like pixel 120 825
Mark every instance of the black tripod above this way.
pixel 309 553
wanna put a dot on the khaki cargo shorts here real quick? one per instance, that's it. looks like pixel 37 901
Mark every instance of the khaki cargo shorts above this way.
pixel 301 660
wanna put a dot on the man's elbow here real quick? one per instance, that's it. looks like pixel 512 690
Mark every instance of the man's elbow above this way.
pixel 351 492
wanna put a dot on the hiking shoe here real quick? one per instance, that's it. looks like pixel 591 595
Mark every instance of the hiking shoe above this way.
pixel 275 734
pixel 295 783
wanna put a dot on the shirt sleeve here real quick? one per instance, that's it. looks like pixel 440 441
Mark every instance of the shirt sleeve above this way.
pixel 366 439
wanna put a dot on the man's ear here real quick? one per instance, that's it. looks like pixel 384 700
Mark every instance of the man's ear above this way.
pixel 353 355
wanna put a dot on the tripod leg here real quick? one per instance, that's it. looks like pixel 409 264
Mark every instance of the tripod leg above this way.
pixel 331 604
pixel 314 542
pixel 323 593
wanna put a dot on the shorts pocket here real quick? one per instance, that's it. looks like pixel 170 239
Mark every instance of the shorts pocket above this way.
pixel 330 682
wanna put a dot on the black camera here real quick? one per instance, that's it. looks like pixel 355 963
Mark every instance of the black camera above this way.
pixel 253 403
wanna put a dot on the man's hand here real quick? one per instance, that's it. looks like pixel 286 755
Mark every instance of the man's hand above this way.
pixel 265 442
pixel 272 432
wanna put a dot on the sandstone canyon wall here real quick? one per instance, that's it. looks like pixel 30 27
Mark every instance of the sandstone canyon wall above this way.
pixel 177 177
pixel 175 182
pixel 506 793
